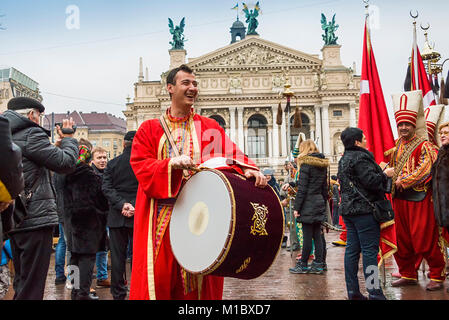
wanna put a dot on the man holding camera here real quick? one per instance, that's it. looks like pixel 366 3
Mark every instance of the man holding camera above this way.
pixel 32 237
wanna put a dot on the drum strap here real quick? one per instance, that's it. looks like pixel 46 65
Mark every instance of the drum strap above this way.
pixel 168 135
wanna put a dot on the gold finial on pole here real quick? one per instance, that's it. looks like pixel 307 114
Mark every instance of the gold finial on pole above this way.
pixel 287 92
pixel 414 16
pixel 366 7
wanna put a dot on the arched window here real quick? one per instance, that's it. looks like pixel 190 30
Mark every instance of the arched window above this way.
pixel 257 136
pixel 220 120
pixel 294 132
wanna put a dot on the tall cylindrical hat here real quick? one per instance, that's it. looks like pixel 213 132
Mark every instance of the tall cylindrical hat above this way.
pixel 433 119
pixel 408 107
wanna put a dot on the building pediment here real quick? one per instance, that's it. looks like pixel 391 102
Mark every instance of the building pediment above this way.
pixel 254 52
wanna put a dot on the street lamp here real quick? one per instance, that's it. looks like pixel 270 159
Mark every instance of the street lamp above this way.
pixel 288 94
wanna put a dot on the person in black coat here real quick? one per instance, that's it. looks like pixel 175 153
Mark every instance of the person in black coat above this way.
pixel 440 180
pixel 84 204
pixel 120 187
pixel 358 169
pixel 310 205
pixel 11 176
pixel 32 238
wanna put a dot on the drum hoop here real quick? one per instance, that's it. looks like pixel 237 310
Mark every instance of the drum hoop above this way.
pixel 227 246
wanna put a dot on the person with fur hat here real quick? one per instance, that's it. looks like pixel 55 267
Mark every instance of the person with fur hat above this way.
pixel 32 236
pixel 84 205
pixel 310 205
pixel 416 229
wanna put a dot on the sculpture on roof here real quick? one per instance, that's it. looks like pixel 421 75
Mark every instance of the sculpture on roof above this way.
pixel 177 32
pixel 329 37
pixel 251 16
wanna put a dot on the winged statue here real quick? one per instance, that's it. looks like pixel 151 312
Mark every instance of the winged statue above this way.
pixel 177 32
pixel 329 28
pixel 251 18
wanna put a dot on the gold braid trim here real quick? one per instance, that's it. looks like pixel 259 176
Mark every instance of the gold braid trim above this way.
pixel 408 150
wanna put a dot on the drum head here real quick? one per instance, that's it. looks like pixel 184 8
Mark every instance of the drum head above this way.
pixel 201 221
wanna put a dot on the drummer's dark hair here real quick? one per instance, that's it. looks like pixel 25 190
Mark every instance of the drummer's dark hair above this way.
pixel 172 74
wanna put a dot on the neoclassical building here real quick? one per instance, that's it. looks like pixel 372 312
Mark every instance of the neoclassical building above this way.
pixel 241 86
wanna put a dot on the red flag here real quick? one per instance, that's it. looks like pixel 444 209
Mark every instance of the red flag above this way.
pixel 375 123
pixel 420 80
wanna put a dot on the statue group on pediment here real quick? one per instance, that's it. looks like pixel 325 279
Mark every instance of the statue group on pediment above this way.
pixel 254 57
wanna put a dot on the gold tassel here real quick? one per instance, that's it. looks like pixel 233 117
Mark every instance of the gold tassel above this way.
pixel 297 121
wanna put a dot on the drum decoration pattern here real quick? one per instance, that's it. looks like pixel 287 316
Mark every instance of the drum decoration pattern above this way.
pixel 225 226
pixel 260 219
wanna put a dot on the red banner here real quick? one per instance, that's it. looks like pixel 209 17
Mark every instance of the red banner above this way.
pixel 375 123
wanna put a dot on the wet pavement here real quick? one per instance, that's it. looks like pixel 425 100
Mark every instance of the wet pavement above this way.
pixel 278 284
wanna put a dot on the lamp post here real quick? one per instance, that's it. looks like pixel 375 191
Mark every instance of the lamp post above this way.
pixel 288 94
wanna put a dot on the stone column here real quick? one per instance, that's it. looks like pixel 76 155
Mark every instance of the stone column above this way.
pixel 275 133
pixel 284 134
pixel 245 141
pixel 352 119
pixel 318 133
pixel 140 119
pixel 241 141
pixel 232 123
pixel 326 131
pixel 270 143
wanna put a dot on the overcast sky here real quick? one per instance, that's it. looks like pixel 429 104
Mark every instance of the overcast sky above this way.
pixel 93 67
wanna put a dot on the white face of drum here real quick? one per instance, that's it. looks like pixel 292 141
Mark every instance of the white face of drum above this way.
pixel 201 221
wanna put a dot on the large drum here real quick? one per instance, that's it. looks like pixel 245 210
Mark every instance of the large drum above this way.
pixel 223 225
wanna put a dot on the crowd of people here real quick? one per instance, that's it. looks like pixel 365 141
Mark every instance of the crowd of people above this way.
pixel 415 179
pixel 123 206
pixel 69 185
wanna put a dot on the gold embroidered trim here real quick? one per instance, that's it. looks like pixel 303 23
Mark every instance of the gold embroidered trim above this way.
pixel 260 218
pixel 244 265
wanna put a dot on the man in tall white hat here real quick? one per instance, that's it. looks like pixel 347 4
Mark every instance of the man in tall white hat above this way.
pixel 416 230
pixel 432 114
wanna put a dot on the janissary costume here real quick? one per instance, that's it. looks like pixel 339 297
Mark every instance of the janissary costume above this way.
pixel 416 230
pixel 156 274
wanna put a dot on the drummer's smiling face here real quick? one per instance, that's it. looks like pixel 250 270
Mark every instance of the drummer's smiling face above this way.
pixel 184 91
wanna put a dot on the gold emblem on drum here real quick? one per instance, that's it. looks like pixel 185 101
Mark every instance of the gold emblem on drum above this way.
pixel 244 265
pixel 260 219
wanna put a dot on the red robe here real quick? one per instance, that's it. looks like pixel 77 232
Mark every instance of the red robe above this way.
pixel 156 274
pixel 417 233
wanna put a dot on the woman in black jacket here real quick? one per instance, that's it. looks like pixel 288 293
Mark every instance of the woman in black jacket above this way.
pixel 358 173
pixel 440 180
pixel 310 205
pixel 11 177
pixel 84 203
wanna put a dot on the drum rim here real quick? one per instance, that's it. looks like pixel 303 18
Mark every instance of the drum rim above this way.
pixel 227 246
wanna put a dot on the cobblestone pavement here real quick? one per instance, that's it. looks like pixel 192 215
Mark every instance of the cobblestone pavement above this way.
pixel 278 284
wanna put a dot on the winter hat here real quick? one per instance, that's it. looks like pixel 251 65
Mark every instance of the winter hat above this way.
pixel 84 154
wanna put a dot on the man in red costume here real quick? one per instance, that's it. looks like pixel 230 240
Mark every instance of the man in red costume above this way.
pixel 416 230
pixel 160 173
